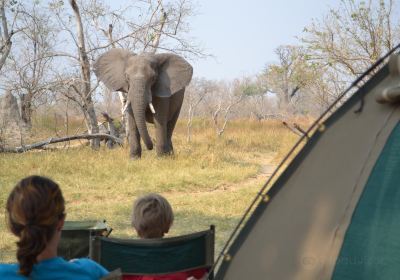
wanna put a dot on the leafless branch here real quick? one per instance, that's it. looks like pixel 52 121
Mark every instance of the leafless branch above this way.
pixel 41 144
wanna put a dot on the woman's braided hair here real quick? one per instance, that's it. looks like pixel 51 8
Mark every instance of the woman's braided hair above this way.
pixel 33 210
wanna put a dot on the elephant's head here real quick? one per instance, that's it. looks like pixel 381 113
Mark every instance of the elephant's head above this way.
pixel 142 77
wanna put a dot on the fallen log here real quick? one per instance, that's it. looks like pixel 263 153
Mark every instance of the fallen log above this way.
pixel 44 143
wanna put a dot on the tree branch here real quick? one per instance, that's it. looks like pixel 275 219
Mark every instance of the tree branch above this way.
pixel 44 143
pixel 6 48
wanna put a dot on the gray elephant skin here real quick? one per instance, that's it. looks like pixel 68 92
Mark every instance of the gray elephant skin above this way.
pixel 155 86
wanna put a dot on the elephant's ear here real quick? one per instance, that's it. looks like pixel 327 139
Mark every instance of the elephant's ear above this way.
pixel 110 68
pixel 174 73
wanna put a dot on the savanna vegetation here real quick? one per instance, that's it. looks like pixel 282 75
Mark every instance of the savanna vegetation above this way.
pixel 209 180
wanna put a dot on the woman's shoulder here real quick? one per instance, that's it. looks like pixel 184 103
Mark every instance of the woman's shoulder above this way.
pixel 59 268
pixel 89 265
pixel 9 271
pixel 8 267
pixel 84 262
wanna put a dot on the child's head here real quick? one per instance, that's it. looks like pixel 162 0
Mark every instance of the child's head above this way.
pixel 152 216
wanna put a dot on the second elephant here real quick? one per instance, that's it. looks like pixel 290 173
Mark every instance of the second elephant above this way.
pixel 155 86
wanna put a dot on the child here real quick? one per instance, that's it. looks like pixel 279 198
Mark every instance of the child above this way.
pixel 152 217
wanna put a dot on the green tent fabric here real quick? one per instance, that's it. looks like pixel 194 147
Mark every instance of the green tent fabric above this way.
pixel 371 248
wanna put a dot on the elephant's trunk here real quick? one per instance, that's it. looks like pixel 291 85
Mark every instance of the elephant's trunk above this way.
pixel 139 105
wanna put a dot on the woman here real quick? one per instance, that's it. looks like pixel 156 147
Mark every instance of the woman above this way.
pixel 35 214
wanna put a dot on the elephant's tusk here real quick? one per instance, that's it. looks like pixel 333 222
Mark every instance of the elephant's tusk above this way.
pixel 152 108
pixel 125 107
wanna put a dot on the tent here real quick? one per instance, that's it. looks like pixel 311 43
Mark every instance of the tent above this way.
pixel 334 211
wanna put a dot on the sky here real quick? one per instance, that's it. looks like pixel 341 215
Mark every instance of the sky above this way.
pixel 242 35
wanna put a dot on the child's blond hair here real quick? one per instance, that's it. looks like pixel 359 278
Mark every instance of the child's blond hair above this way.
pixel 152 216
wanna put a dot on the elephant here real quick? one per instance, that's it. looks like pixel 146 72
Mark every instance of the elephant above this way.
pixel 155 86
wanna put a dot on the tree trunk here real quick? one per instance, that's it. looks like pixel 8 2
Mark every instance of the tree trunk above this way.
pixel 91 123
pixel 26 109
pixel 85 72
pixel 189 124
pixel 5 48
pixel 112 130
pixel 124 118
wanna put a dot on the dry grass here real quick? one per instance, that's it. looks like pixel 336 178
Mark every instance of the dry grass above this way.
pixel 209 181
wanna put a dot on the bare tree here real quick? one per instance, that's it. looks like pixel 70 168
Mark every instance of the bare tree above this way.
pixel 259 104
pixel 352 37
pixel 290 76
pixel 227 98
pixel 73 80
pixel 5 33
pixel 28 71
pixel 326 86
pixel 195 93
pixel 85 89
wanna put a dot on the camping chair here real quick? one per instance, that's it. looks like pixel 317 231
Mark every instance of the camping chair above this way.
pixel 156 256
pixel 76 236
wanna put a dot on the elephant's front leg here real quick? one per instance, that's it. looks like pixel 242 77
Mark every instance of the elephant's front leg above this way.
pixel 162 144
pixel 133 136
pixel 170 129
pixel 174 108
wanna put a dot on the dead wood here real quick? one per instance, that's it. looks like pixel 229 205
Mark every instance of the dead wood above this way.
pixel 41 144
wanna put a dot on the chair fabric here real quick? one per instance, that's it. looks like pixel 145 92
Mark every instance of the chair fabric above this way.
pixel 156 256
pixel 75 238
